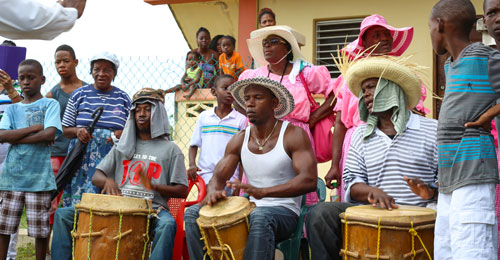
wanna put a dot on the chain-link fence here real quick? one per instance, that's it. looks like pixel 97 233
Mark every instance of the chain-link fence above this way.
pixel 135 73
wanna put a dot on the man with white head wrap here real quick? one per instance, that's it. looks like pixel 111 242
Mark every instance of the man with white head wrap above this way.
pixel 144 148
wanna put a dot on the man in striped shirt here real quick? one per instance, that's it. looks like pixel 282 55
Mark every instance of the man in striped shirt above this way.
pixel 392 158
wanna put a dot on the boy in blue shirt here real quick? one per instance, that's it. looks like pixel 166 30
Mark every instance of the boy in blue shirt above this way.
pixel 26 179
pixel 466 226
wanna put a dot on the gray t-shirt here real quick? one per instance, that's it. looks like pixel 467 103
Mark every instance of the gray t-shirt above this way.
pixel 160 159
pixel 467 154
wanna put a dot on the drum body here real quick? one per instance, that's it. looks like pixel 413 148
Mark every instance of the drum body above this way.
pixel 224 227
pixel 117 225
pixel 394 234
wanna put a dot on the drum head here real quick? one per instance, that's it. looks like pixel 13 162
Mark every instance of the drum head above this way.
pixel 101 202
pixel 403 214
pixel 226 211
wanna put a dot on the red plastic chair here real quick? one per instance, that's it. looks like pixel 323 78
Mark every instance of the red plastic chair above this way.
pixel 177 207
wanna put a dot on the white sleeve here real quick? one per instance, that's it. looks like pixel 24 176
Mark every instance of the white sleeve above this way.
pixel 31 19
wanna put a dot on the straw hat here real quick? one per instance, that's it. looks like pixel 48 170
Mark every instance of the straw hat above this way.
pixel 393 69
pixel 401 37
pixel 285 98
pixel 289 34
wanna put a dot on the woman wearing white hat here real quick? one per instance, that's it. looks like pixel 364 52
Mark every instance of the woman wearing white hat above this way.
pixel 276 50
pixel 78 115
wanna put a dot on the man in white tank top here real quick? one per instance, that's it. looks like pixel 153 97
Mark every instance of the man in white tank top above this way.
pixel 278 161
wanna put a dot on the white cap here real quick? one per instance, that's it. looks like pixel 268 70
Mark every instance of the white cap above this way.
pixel 105 55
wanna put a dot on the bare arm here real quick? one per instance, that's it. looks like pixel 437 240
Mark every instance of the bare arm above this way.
pixel 364 193
pixel 9 136
pixel 46 135
pixel 323 111
pixel 339 131
pixel 225 169
pixel 6 83
pixel 171 191
pixel 484 120
pixel 193 169
pixel 80 132
pixel 108 185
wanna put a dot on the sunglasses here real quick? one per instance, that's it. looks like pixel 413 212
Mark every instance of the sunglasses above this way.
pixel 273 41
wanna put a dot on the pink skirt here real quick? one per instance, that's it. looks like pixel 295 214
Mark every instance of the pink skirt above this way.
pixel 497 207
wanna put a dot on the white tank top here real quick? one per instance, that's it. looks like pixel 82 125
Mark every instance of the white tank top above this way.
pixel 269 169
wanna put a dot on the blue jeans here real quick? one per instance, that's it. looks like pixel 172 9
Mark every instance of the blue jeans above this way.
pixel 268 225
pixel 163 231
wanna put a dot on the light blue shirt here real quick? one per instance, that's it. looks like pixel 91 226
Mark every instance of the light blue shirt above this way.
pixel 27 166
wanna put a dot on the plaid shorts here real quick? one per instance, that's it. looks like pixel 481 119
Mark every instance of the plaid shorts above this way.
pixel 37 212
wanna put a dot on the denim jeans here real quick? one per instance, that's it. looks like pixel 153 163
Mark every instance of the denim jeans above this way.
pixel 268 225
pixel 324 230
pixel 163 231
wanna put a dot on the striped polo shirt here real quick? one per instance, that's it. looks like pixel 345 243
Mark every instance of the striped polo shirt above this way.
pixel 467 155
pixel 381 162
pixel 85 100
pixel 211 134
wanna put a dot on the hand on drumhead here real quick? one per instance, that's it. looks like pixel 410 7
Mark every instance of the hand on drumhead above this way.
pixel 213 196
pixel 420 188
pixel 378 198
pixel 111 188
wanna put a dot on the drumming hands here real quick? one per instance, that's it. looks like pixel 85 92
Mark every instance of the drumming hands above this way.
pixel 420 188
pixel 257 193
pixel 213 196
pixel 378 198
pixel 111 188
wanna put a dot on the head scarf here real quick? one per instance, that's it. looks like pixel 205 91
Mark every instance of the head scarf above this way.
pixel 159 126
pixel 388 95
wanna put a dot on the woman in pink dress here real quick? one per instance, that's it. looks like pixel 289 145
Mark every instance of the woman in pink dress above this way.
pixel 276 51
pixel 391 41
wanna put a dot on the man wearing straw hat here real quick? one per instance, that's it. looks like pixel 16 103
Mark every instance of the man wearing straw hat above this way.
pixel 392 158
pixel 279 163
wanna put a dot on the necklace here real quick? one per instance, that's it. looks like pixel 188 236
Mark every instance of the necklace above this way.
pixel 282 74
pixel 261 146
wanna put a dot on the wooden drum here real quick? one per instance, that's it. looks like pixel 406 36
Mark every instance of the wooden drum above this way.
pixel 117 226
pixel 224 227
pixel 368 232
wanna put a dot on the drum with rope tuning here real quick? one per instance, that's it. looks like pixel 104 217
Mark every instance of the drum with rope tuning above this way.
pixel 118 228
pixel 375 233
pixel 224 227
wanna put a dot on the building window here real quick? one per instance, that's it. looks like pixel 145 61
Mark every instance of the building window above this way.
pixel 333 34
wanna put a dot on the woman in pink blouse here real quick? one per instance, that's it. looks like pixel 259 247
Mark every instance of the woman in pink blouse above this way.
pixel 391 41
pixel 276 51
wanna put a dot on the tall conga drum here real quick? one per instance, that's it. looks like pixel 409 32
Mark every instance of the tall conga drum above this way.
pixel 374 233
pixel 224 227
pixel 112 227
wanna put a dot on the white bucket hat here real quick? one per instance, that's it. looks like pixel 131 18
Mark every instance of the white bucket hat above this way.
pixel 285 98
pixel 289 34
pixel 105 55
